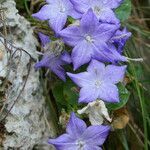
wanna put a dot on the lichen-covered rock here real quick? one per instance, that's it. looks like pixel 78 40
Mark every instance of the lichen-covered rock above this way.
pixel 26 124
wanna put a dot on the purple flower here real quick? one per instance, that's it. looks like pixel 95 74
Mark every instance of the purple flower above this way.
pixel 109 54
pixel 53 60
pixel 56 12
pixel 44 39
pixel 81 137
pixel 103 9
pixel 120 38
pixel 99 82
pixel 90 40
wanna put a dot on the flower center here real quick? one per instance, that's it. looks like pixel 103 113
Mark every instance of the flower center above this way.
pixel 80 144
pixel 97 10
pixel 62 9
pixel 97 83
pixel 89 39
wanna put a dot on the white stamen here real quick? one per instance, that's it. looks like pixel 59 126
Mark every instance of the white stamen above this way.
pixel 121 36
pixel 80 143
pixel 62 9
pixel 135 59
pixel 97 10
pixel 97 83
pixel 89 39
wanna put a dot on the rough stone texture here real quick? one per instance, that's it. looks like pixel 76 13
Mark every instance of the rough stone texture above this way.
pixel 26 124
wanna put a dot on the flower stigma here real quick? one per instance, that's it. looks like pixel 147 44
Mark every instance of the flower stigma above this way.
pixel 80 144
pixel 62 8
pixel 97 10
pixel 98 83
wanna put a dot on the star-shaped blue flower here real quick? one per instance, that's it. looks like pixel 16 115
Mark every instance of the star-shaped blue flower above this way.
pixel 81 137
pixel 56 12
pixel 52 60
pixel 90 40
pixel 99 82
pixel 103 9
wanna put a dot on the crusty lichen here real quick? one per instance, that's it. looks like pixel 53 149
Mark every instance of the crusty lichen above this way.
pixel 26 124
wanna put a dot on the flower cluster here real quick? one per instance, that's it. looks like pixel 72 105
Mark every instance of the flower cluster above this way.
pixel 96 38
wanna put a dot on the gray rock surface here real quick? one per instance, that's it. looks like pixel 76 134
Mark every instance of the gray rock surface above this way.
pixel 27 123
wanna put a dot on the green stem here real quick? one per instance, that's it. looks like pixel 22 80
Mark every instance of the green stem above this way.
pixel 144 116
pixel 27 9
pixel 142 104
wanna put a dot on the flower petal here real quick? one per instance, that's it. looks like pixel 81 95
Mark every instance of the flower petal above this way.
pixel 81 79
pixel 120 38
pixel 96 66
pixel 114 54
pixel 53 63
pixel 81 54
pixel 82 5
pixel 66 146
pixel 107 15
pixel 101 52
pixel 96 111
pixel 109 92
pixel 59 71
pixel 44 62
pixel 84 110
pixel 66 57
pixel 92 147
pixel 104 32
pixel 88 94
pixel 44 39
pixel 75 127
pixel 58 22
pixel 64 138
pixel 107 53
pixel 89 22
pixel 71 35
pixel 74 14
pixel 63 142
pixel 44 13
pixel 71 10
pixel 96 135
pixel 115 74
pixel 112 3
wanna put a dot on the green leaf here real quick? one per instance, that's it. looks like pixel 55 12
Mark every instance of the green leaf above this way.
pixel 124 96
pixel 65 95
pixel 70 19
pixel 57 91
pixel 123 12
pixel 70 94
